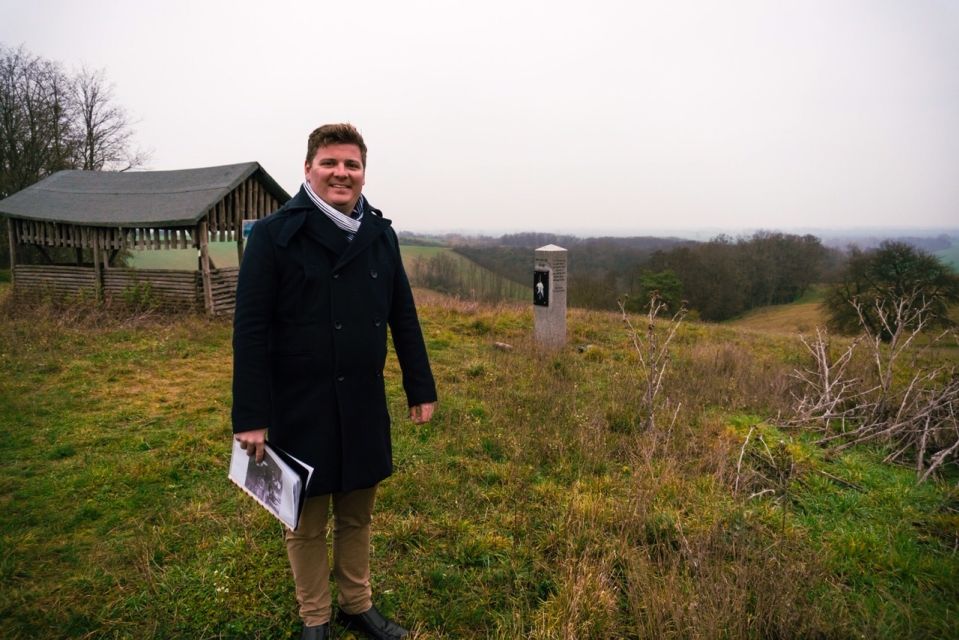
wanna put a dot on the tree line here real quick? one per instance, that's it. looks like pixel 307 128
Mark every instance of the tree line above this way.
pixel 719 279
pixel 724 278
pixel 52 119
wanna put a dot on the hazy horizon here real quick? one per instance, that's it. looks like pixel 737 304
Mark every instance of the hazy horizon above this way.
pixel 706 232
pixel 621 117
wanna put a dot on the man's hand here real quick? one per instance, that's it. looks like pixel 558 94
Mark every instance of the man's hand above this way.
pixel 422 413
pixel 253 443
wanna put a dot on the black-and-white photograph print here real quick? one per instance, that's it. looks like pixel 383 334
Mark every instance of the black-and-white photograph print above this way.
pixel 265 480
pixel 541 288
pixel 273 483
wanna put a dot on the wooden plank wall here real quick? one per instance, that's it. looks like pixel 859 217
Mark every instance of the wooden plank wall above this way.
pixel 166 289
pixel 57 281
pixel 224 290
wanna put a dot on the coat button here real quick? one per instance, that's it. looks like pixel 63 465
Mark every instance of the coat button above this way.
pixel 336 275
pixel 373 273
pixel 340 378
pixel 377 322
pixel 338 325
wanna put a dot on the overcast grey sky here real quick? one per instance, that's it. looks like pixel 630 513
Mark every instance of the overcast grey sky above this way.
pixel 592 117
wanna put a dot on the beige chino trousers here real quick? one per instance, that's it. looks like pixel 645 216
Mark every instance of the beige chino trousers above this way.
pixel 306 548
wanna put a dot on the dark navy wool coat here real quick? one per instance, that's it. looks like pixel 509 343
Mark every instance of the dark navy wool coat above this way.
pixel 309 342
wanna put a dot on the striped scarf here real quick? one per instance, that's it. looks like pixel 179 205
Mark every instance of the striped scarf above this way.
pixel 348 224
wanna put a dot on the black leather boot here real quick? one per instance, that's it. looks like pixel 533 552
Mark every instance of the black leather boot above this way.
pixel 318 632
pixel 373 624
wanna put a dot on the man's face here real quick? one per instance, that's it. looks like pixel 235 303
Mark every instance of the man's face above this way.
pixel 337 175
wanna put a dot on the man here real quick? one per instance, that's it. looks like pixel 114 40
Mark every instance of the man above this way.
pixel 320 281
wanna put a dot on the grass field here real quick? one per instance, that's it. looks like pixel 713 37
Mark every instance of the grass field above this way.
pixel 532 507
pixel 950 256
pixel 800 317
pixel 464 278
pixel 418 251
pixel 224 254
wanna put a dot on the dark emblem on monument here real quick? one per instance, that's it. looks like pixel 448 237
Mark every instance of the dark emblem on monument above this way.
pixel 541 288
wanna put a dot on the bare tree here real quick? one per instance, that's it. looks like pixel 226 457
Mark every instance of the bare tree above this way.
pixel 105 128
pixel 50 120
pixel 36 126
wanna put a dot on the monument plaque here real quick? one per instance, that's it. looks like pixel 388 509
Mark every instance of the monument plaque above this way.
pixel 541 288
pixel 549 296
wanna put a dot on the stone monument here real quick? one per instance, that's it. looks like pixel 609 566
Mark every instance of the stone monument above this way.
pixel 549 296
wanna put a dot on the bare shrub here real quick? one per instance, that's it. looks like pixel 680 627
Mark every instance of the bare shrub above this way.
pixel 652 349
pixel 905 399
pixel 829 392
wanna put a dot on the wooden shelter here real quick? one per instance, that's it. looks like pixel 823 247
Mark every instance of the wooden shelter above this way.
pixel 101 213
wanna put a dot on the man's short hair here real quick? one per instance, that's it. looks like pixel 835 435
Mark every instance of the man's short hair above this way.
pixel 329 134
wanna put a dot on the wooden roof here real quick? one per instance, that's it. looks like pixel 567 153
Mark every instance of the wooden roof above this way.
pixel 134 198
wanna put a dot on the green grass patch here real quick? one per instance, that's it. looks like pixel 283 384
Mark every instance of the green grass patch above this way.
pixel 421 251
pixel 533 506
pixel 223 254
pixel 815 293
pixel 446 271
pixel 878 532
pixel 950 256
pixel 799 317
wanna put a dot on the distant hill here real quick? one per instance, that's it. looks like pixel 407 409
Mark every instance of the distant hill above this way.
pixel 587 255
pixel 950 256
pixel 930 243
pixel 800 317
pixel 796 318
pixel 443 270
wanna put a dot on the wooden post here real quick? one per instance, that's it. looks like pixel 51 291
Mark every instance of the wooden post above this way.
pixel 97 268
pixel 205 266
pixel 238 214
pixel 13 251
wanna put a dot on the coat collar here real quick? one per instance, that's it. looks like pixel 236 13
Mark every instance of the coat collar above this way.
pixel 372 225
pixel 303 215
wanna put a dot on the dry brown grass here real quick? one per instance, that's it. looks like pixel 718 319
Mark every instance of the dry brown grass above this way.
pixel 788 319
